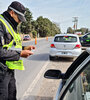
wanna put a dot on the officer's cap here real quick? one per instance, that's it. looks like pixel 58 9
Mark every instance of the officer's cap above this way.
pixel 19 9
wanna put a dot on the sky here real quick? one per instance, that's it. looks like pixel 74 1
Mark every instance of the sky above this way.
pixel 58 11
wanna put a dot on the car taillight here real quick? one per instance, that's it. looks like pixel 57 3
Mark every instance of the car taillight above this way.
pixel 52 46
pixel 78 46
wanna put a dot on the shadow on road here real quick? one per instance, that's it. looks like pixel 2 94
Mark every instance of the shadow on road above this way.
pixel 39 57
pixel 58 59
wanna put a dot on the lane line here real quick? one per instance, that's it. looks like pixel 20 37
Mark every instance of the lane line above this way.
pixel 32 85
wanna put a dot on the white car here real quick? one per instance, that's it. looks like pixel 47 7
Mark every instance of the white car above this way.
pixel 65 45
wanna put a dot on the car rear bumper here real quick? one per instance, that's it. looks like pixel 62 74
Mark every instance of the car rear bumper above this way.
pixel 65 53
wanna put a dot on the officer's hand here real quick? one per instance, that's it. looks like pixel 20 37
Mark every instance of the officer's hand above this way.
pixel 29 47
pixel 26 53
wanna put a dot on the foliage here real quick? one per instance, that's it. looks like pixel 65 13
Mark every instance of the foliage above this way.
pixel 26 26
pixel 34 33
pixel 42 26
pixel 70 30
pixel 46 27
pixel 82 30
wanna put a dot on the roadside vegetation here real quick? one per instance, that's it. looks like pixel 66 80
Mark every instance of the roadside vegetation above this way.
pixel 81 30
pixel 41 27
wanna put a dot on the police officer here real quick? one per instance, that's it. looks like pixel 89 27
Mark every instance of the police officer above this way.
pixel 11 50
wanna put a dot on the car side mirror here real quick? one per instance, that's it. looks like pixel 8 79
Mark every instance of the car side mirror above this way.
pixel 53 74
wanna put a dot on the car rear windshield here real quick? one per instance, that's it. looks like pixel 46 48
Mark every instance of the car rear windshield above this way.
pixel 26 36
pixel 65 39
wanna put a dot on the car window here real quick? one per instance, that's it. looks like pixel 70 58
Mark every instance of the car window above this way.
pixel 65 39
pixel 26 36
pixel 87 36
pixel 86 79
pixel 80 88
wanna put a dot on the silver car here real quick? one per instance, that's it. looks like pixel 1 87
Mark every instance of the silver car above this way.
pixel 65 45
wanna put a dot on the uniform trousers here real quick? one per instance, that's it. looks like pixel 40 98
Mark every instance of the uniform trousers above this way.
pixel 7 85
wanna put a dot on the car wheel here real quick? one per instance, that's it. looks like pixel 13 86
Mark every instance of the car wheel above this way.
pixel 51 58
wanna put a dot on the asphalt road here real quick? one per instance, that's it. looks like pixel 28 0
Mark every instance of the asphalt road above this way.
pixel 31 85
pixel 33 65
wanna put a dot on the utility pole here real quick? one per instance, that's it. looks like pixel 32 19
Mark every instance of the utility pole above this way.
pixel 75 23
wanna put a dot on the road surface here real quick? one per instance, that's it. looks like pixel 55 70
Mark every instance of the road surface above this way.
pixel 31 85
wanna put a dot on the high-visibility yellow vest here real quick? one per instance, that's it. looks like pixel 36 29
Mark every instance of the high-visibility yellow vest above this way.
pixel 15 44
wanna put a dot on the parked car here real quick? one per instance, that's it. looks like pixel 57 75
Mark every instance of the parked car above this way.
pixel 26 37
pixel 65 45
pixel 85 40
pixel 75 82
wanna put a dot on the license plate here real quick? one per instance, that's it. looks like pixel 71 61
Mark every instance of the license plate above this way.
pixel 64 52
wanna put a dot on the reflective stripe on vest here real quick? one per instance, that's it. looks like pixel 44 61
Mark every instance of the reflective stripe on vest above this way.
pixel 17 39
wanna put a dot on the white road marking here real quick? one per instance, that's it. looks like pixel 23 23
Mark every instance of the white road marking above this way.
pixel 32 85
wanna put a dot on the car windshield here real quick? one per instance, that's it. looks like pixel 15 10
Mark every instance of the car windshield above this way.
pixel 87 36
pixel 27 36
pixel 65 39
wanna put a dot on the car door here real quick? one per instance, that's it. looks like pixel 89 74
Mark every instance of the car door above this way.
pixel 74 86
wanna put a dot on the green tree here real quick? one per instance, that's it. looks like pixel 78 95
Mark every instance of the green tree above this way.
pixel 83 30
pixel 46 27
pixel 26 27
pixel 34 33
pixel 70 30
pixel 42 26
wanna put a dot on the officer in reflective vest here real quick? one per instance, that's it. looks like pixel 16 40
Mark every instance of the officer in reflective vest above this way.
pixel 11 50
